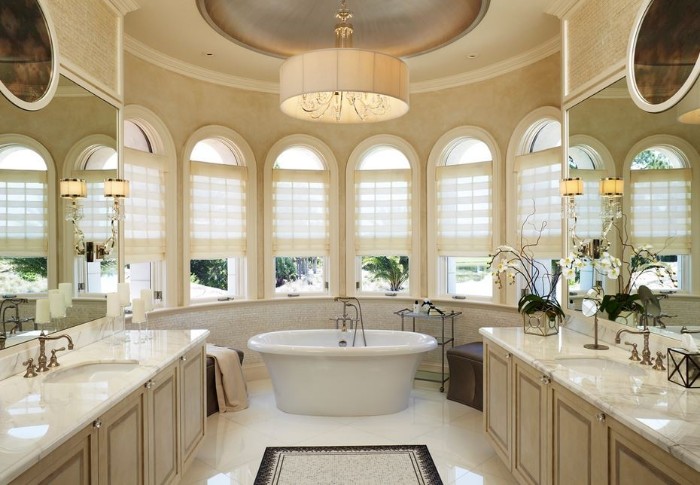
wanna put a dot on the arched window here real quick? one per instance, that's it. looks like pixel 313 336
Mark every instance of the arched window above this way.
pixel 149 166
pixel 660 209
pixel 93 159
pixel 537 167
pixel 381 217
pixel 218 179
pixel 24 223
pixel 460 202
pixel 299 178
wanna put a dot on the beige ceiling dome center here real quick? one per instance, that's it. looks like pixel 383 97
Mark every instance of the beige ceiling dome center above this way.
pixel 400 28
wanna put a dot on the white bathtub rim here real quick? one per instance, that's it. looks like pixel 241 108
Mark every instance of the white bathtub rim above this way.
pixel 418 343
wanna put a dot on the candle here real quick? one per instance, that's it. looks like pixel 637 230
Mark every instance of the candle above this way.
pixel 57 305
pixel 138 309
pixel 124 294
pixel 67 292
pixel 147 297
pixel 113 307
pixel 42 312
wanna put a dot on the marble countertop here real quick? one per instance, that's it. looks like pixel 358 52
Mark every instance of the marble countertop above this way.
pixel 665 413
pixel 37 416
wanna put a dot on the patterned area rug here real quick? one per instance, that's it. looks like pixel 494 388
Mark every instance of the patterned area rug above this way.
pixel 341 465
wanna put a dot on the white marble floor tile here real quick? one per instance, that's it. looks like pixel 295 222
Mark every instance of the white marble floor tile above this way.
pixel 235 442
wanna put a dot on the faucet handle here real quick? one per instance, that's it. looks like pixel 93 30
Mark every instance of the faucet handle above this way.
pixel 635 354
pixel 53 361
pixel 31 368
pixel 659 361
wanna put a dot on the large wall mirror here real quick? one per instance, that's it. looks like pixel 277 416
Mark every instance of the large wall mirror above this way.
pixel 658 159
pixel 74 136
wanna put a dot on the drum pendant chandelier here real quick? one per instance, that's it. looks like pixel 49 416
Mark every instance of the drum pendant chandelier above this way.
pixel 344 85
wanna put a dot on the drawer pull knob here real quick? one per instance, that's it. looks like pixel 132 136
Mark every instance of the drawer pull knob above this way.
pixel 183 358
pixel 545 380
pixel 507 355
pixel 149 384
pixel 97 424
pixel 600 417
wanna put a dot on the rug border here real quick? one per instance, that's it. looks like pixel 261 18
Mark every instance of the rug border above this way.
pixel 268 464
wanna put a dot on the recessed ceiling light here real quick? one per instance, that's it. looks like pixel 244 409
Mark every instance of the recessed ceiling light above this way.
pixel 208 54
pixel 472 56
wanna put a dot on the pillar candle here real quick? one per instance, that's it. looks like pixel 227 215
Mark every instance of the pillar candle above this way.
pixel 113 306
pixel 57 306
pixel 138 310
pixel 147 297
pixel 42 314
pixel 124 294
pixel 67 292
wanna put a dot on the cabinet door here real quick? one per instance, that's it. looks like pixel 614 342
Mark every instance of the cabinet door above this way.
pixel 163 417
pixel 72 463
pixel 193 407
pixel 635 461
pixel 122 442
pixel 497 399
pixel 577 441
pixel 529 424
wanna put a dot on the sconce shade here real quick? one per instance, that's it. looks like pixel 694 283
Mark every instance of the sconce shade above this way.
pixel 570 187
pixel 73 188
pixel 117 188
pixel 612 187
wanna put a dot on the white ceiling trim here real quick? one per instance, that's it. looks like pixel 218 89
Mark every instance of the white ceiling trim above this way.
pixel 142 51
pixel 536 54
pixel 159 59
pixel 125 6
pixel 560 8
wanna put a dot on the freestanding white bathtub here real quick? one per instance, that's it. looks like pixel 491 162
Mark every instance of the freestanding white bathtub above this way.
pixel 311 374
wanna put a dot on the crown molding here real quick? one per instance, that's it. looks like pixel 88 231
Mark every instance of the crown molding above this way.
pixel 125 6
pixel 159 59
pixel 542 51
pixel 560 8
pixel 142 51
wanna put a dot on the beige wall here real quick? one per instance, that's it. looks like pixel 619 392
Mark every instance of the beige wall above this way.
pixel 497 105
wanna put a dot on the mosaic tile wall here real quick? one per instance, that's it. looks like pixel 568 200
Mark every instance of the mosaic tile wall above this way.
pixel 232 324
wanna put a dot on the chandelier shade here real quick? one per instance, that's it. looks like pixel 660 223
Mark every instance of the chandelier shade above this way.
pixel 344 85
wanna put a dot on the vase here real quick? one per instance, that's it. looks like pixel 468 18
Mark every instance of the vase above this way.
pixel 540 323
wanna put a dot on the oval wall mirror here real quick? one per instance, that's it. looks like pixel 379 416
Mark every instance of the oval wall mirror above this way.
pixel 28 54
pixel 663 51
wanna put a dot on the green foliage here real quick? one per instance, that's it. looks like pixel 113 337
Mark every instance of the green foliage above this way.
pixel 29 269
pixel 285 270
pixel 650 160
pixel 617 303
pixel 108 267
pixel 392 269
pixel 532 303
pixel 210 272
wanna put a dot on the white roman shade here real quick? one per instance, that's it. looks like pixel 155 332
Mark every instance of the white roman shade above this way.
pixel 538 176
pixel 383 212
pixel 588 208
pixel 24 213
pixel 144 226
pixel 464 206
pixel 300 212
pixel 660 207
pixel 217 210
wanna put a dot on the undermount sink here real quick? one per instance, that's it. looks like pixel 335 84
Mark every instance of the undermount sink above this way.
pixel 598 366
pixel 91 372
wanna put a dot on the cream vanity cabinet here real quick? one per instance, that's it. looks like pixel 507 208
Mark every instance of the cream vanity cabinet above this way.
pixel 146 438
pixel 546 434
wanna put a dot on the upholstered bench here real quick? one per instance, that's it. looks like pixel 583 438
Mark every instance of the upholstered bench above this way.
pixel 212 403
pixel 466 364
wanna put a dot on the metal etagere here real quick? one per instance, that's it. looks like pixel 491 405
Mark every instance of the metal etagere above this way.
pixel 443 340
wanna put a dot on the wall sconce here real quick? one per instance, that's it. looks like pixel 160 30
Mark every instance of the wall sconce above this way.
pixel 611 191
pixel 569 188
pixel 116 189
pixel 74 189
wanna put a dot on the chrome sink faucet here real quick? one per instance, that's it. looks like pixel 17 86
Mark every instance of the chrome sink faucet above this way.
pixel 646 353
pixel 42 361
